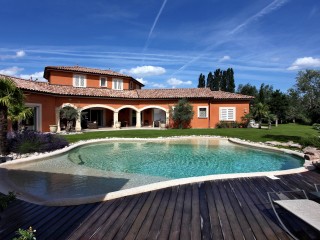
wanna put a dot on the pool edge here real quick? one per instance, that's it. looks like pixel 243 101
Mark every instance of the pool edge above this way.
pixel 152 186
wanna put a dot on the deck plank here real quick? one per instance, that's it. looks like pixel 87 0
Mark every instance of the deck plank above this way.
pixel 132 233
pixel 150 216
pixel 205 221
pixel 195 215
pixel 185 229
pixel 131 218
pixel 177 215
pixel 235 204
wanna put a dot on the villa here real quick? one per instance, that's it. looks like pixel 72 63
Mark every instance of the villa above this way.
pixel 106 97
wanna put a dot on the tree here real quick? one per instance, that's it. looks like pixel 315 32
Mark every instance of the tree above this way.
pixel 308 89
pixel 216 80
pixel 182 113
pixel 210 80
pixel 224 81
pixel 70 114
pixel 10 97
pixel 265 93
pixel 202 81
pixel 279 105
pixel 230 81
pixel 295 111
pixel 260 111
pixel 18 113
pixel 247 89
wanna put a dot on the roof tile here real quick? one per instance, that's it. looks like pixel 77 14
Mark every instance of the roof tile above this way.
pixel 45 87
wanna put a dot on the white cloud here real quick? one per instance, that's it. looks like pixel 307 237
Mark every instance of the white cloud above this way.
pixel 20 53
pixel 305 62
pixel 176 82
pixel 144 71
pixel 142 81
pixel 34 76
pixel 12 71
pixel 224 58
pixel 158 85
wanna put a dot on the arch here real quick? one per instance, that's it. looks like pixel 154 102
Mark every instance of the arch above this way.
pixel 98 106
pixel 128 106
pixel 153 106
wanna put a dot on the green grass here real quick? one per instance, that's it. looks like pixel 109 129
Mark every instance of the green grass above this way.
pixel 282 133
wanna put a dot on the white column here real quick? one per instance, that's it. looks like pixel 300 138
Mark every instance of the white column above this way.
pixel 167 117
pixel 78 122
pixel 115 118
pixel 138 119
pixel 58 118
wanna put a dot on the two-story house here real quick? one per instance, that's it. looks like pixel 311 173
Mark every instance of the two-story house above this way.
pixel 107 97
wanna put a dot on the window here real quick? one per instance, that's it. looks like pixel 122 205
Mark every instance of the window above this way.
pixel 103 82
pixel 79 81
pixel 117 84
pixel 227 114
pixel 131 85
pixel 203 112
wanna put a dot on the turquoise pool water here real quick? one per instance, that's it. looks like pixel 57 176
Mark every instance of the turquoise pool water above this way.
pixel 179 159
pixel 101 168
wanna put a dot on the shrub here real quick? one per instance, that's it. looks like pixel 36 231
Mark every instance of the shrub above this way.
pixel 28 234
pixel 226 124
pixel 5 200
pixel 316 126
pixel 31 141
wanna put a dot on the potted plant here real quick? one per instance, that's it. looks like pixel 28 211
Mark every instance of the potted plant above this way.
pixel 118 124
pixel 53 128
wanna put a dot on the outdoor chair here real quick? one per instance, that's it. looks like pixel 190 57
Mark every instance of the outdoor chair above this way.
pixel 298 204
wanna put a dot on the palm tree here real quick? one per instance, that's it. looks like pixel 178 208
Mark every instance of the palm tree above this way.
pixel 260 111
pixel 19 112
pixel 10 96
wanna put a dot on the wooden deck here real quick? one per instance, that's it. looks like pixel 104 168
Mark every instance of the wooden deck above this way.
pixel 221 209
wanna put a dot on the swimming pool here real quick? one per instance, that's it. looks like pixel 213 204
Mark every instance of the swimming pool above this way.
pixel 111 166
pixel 180 158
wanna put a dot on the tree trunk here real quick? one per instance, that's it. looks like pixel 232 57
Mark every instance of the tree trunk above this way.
pixel 260 122
pixel 3 130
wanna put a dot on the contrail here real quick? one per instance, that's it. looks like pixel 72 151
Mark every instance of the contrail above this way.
pixel 268 9
pixel 154 25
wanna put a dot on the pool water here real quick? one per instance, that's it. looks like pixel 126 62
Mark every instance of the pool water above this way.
pixel 101 168
pixel 179 159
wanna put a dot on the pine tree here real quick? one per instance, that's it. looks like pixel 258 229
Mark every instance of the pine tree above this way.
pixel 216 80
pixel 230 81
pixel 210 80
pixel 202 81
pixel 224 81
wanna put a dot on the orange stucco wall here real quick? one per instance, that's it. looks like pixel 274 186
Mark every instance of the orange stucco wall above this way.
pixel 93 81
pixel 49 104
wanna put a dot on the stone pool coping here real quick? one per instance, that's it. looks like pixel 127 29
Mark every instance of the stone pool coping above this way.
pixel 152 186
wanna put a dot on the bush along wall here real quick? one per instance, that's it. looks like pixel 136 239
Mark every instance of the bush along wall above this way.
pixel 31 141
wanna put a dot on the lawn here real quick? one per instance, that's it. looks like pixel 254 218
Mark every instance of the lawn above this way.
pixel 283 133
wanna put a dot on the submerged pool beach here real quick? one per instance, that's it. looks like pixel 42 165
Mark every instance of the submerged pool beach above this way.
pixel 90 172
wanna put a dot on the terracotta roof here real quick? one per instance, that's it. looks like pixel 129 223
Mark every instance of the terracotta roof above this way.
pixel 79 69
pixel 45 87
pixel 188 93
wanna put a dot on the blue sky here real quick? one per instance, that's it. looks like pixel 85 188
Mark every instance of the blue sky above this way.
pixel 164 44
